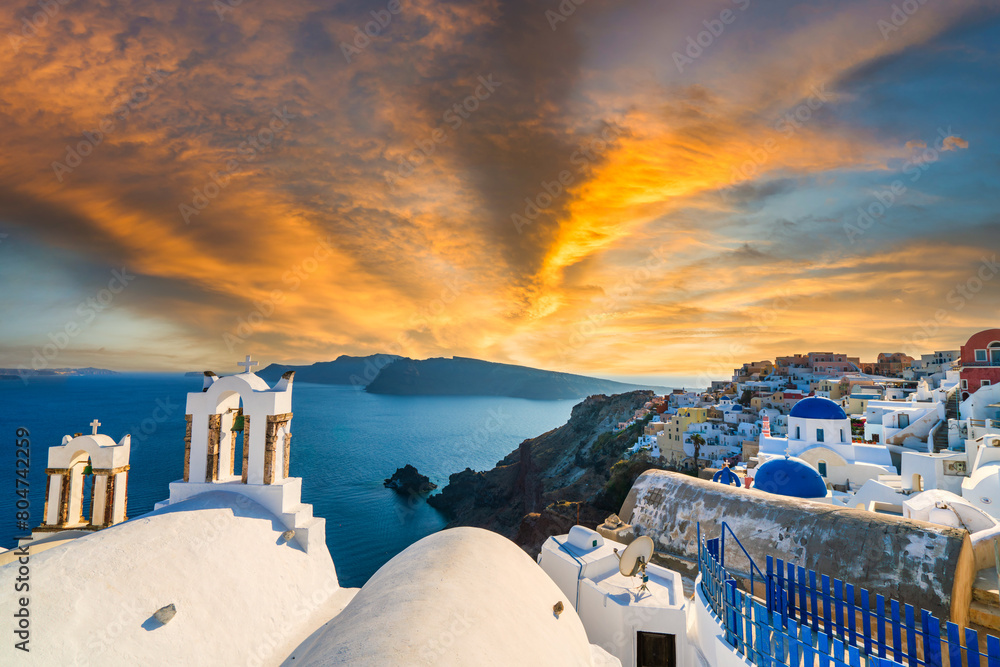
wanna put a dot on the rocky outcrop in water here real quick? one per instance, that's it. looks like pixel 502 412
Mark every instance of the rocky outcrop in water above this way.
pixel 408 481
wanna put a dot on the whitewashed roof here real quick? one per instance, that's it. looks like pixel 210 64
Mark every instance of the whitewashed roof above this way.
pixel 464 596
pixel 241 592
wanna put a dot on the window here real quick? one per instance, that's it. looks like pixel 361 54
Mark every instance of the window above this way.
pixel 841 435
pixel 819 435
pixel 965 384
pixel 984 383
pixel 980 355
pixel 655 650
pixel 822 468
pixel 798 434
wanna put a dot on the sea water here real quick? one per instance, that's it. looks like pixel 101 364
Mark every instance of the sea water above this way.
pixel 346 442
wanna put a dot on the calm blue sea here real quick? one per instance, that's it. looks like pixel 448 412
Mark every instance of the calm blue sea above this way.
pixel 346 443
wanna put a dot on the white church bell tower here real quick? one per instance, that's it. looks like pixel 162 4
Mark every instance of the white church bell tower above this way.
pixel 70 464
pixel 216 416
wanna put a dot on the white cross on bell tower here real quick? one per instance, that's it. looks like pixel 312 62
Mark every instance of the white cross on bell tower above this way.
pixel 248 364
pixel 93 426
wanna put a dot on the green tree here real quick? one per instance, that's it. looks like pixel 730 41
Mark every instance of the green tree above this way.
pixel 745 398
pixel 697 440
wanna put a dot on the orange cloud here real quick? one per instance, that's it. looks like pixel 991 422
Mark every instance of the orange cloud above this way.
pixel 368 219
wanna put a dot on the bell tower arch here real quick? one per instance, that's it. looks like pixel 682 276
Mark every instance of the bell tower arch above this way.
pixel 69 464
pixel 245 404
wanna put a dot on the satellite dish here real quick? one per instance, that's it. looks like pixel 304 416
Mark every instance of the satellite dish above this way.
pixel 636 555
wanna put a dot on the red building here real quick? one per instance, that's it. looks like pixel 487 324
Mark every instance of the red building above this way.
pixel 980 361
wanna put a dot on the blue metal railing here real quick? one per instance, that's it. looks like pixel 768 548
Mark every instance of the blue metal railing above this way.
pixel 722 555
pixel 807 617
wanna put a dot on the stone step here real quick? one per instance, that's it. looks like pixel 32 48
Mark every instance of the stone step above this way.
pixel 984 589
pixel 892 481
pixel 989 597
pixel 311 534
pixel 297 515
pixel 985 615
pixel 986 597
pixel 309 523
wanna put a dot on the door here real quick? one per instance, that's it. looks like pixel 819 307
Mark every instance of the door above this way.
pixel 655 650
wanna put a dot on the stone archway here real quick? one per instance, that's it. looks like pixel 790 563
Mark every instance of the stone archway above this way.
pixel 74 493
pixel 221 451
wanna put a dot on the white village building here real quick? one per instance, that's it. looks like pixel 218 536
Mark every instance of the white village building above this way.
pixel 619 615
pixel 819 433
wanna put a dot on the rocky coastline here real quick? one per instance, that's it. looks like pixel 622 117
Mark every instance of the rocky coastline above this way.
pixel 572 474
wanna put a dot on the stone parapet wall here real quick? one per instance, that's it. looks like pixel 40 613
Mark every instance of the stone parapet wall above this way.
pixel 931 567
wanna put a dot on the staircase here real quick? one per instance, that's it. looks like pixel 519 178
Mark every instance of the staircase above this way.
pixel 985 607
pixel 951 404
pixel 892 481
pixel 941 436
pixel 950 412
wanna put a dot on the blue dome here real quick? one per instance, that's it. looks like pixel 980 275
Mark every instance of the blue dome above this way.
pixel 789 477
pixel 817 407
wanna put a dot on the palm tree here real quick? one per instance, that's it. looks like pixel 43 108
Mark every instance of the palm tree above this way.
pixel 697 440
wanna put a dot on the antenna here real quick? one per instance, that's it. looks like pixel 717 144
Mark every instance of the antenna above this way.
pixel 635 557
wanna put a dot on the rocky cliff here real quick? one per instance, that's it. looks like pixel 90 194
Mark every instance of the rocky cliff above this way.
pixel 540 488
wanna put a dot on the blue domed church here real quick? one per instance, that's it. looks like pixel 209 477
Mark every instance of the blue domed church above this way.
pixel 819 435
pixel 789 476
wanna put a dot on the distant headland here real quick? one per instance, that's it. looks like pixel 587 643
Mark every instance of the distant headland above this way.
pixel 457 376
pixel 18 373
pixel 345 369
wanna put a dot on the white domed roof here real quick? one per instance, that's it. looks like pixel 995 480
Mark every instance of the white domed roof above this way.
pixel 242 593
pixel 464 596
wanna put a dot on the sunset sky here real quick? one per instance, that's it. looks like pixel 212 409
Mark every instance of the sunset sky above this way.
pixel 627 188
